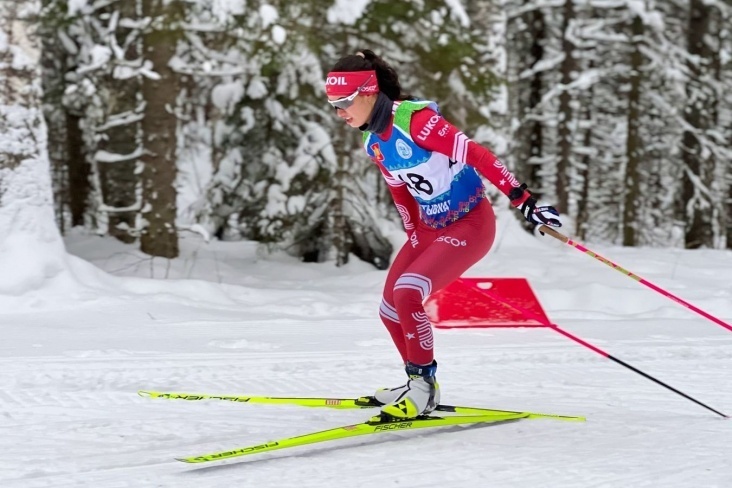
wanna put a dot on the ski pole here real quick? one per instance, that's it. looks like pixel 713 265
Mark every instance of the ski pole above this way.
pixel 580 247
pixel 532 316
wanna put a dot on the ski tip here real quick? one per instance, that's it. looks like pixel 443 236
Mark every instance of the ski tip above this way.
pixel 568 418
pixel 195 460
pixel 144 393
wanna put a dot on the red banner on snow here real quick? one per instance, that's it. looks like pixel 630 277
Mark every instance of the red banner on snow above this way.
pixel 465 304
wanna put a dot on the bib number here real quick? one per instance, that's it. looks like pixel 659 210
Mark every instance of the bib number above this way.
pixel 418 183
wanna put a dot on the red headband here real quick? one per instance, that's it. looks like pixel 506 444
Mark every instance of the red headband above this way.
pixel 344 83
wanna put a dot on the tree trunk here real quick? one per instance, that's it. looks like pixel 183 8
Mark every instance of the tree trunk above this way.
pixel 77 168
pixel 20 90
pixel 723 74
pixel 633 143
pixel 726 73
pixel 583 204
pixel 70 167
pixel 159 235
pixel 565 122
pixel 119 136
pixel 26 199
pixel 342 241
pixel 536 91
pixel 53 68
pixel 700 115
pixel 19 87
pixel 529 136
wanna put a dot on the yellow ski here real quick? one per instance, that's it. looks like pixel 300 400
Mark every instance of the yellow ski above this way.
pixel 376 425
pixel 340 403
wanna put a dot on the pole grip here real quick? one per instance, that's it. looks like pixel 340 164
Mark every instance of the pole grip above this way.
pixel 557 235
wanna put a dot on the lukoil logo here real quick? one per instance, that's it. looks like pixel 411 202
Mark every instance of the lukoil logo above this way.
pixel 413 239
pixel 427 129
pixel 335 80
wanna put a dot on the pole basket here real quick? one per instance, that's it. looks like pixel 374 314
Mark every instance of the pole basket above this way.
pixel 463 304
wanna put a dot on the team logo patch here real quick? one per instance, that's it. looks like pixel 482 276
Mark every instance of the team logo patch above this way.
pixel 378 155
pixel 403 149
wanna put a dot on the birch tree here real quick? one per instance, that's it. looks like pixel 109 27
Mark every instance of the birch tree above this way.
pixel 26 209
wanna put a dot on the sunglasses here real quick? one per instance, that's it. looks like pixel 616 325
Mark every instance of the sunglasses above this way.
pixel 346 102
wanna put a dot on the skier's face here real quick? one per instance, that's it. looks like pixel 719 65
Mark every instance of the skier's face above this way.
pixel 359 112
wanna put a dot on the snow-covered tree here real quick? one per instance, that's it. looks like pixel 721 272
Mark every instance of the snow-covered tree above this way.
pixel 618 112
pixel 112 98
pixel 285 171
pixel 31 249
pixel 526 41
pixel 601 118
pixel 158 232
pixel 725 117
pixel 699 200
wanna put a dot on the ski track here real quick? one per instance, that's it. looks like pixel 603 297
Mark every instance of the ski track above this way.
pixel 72 417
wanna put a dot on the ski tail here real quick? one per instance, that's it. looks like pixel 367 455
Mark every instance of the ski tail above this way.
pixel 340 403
pixel 321 402
pixel 530 415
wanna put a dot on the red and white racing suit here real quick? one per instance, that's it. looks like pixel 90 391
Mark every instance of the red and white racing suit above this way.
pixel 437 251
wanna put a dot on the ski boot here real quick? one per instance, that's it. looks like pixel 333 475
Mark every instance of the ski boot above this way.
pixel 419 396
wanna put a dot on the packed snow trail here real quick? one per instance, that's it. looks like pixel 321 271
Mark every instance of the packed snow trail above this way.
pixel 238 323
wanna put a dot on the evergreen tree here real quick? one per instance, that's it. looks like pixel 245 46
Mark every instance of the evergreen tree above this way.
pixel 290 174
pixel 725 118
pixel 102 104
pixel 526 35
pixel 698 200
pixel 617 112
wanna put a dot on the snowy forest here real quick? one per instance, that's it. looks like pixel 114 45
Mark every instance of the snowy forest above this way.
pixel 210 116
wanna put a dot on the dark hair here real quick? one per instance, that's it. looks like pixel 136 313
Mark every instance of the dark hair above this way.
pixel 386 75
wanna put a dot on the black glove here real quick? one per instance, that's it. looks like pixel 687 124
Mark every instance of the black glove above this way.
pixel 522 199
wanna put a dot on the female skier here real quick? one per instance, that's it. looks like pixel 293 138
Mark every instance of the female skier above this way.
pixel 430 168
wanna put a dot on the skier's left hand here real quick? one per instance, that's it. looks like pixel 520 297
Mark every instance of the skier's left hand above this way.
pixel 539 214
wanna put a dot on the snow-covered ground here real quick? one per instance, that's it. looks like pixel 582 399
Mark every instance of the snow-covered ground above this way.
pixel 231 320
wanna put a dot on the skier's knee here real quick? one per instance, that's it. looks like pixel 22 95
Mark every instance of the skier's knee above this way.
pixel 411 288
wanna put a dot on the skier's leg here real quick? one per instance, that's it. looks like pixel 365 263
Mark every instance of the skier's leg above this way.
pixel 387 311
pixel 449 255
